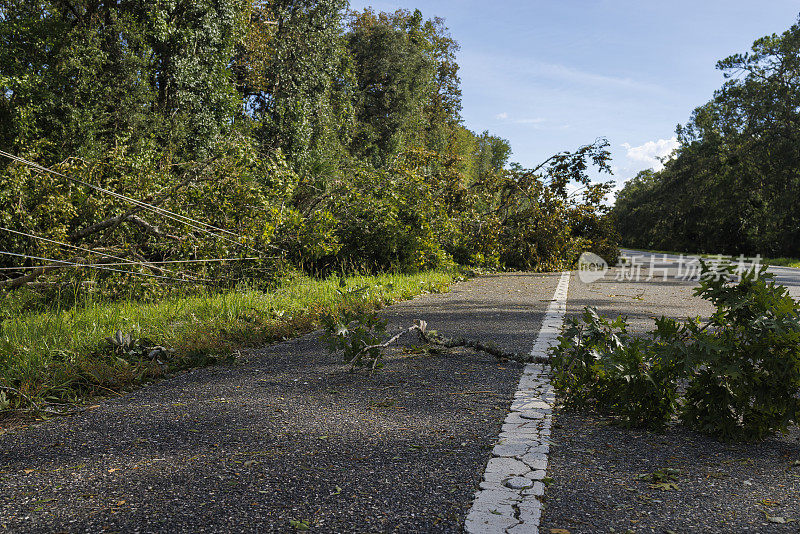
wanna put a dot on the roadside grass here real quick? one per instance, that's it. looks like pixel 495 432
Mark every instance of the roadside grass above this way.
pixel 62 356
pixel 783 262
pixel 775 262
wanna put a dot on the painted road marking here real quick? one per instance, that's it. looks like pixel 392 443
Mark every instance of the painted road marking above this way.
pixel 510 496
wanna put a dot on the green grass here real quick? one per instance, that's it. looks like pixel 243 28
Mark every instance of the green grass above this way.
pixel 777 262
pixel 783 262
pixel 62 356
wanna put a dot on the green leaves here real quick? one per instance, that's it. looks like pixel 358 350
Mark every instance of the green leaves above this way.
pixel 741 371
pixel 664 486
pixel 298 525
pixel 598 363
pixel 356 335
pixel 667 474
pixel 745 369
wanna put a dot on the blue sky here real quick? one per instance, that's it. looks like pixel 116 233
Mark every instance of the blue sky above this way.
pixel 551 75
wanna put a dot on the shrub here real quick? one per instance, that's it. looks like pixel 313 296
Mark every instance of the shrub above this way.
pixel 598 363
pixel 741 369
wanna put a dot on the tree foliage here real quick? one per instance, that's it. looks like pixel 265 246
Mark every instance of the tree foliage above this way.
pixel 740 371
pixel 297 132
pixel 732 186
pixel 81 77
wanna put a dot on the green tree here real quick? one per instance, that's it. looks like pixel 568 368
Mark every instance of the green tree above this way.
pixel 294 76
pixel 733 185
pixel 395 70
pixel 80 77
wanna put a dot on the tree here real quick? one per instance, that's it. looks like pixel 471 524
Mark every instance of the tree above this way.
pixel 80 77
pixel 733 185
pixel 294 76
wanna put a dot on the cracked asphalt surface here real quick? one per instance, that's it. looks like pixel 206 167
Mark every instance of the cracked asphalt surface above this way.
pixel 287 435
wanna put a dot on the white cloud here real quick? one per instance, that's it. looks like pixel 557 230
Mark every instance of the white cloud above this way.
pixel 537 120
pixel 652 152
pixel 505 117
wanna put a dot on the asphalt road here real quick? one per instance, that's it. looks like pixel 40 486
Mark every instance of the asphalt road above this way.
pixel 786 276
pixel 288 436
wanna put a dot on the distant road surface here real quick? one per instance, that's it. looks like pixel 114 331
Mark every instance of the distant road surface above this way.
pixel 787 276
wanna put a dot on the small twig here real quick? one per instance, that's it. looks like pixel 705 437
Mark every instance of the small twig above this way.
pixel 36 407
pixel 117 393
pixel 419 326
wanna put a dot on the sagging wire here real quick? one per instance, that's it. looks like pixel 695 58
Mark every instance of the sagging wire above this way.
pixel 90 251
pixel 92 266
pixel 192 223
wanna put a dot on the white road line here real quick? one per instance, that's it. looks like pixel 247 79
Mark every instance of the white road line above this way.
pixel 510 496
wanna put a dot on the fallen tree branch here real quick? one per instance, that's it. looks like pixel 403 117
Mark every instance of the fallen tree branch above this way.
pixel 436 339
pixel 108 224
pixel 25 279
pixel 489 348
pixel 114 222
pixel 420 326
pixel 151 228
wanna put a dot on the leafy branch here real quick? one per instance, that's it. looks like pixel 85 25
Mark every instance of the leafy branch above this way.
pixel 358 337
pixel 741 370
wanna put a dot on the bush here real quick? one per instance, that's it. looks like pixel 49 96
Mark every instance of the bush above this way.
pixel 744 369
pixel 741 369
pixel 391 220
pixel 598 363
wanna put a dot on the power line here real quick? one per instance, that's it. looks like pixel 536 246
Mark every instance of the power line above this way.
pixel 90 266
pixel 113 193
pixel 143 264
pixel 211 260
pixel 82 249
pixel 192 223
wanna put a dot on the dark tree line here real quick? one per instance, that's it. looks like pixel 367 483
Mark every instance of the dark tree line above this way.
pixel 734 184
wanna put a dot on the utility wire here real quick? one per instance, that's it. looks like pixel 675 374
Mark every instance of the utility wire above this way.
pixel 192 223
pixel 90 266
pixel 82 249
pixel 113 193
pixel 141 263
pixel 211 260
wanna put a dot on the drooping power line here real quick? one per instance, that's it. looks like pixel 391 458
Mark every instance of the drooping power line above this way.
pixel 192 223
pixel 90 251
pixel 91 266
pixel 221 260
